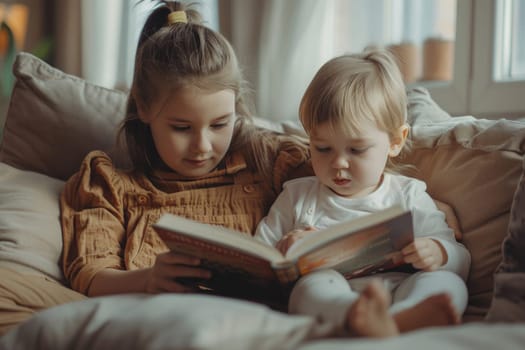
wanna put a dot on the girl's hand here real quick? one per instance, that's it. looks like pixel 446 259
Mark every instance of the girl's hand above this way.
pixel 293 236
pixel 425 254
pixel 168 268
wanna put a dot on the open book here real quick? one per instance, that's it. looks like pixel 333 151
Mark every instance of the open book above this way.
pixel 240 263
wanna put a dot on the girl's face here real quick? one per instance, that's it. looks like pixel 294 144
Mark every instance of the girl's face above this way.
pixel 351 166
pixel 193 129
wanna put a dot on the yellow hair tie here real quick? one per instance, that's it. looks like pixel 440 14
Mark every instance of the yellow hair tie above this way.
pixel 177 17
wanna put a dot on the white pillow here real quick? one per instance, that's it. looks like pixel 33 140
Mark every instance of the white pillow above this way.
pixel 30 234
pixel 164 321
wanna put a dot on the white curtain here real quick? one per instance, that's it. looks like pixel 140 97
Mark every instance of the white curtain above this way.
pixel 110 31
pixel 292 46
pixel 102 49
pixel 282 43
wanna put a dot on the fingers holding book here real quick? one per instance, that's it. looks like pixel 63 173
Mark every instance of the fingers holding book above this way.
pixel 425 254
pixel 293 236
pixel 175 273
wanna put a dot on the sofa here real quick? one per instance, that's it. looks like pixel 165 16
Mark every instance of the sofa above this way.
pixel 55 119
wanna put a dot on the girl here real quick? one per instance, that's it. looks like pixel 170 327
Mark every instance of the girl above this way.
pixel 354 112
pixel 194 153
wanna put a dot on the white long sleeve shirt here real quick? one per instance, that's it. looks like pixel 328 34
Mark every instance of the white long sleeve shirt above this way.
pixel 307 202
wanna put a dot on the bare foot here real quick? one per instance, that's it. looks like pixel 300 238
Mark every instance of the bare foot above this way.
pixel 436 310
pixel 369 317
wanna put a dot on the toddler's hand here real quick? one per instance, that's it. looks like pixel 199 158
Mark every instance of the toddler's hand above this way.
pixel 425 254
pixel 168 268
pixel 451 218
pixel 293 236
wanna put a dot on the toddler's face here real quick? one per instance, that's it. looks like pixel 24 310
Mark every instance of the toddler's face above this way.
pixel 193 130
pixel 351 166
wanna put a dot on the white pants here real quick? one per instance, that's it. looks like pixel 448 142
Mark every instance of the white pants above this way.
pixel 327 295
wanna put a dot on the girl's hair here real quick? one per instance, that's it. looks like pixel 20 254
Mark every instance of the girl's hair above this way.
pixel 172 56
pixel 351 89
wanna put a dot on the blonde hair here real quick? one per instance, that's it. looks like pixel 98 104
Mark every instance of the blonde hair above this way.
pixel 351 89
pixel 171 56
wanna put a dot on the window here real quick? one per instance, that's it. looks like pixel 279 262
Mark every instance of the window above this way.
pixel 509 53
pixel 497 87
pixel 420 33
pixel 470 54
pixel 488 73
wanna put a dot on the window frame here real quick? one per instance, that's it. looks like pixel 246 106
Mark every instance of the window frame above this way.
pixel 491 97
pixel 453 95
pixel 474 90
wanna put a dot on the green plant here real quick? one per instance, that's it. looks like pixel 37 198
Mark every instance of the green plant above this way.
pixel 6 62
pixel 7 80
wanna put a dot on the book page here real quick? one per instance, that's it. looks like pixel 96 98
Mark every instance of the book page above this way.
pixel 214 257
pixel 325 236
pixel 370 249
pixel 233 273
pixel 218 235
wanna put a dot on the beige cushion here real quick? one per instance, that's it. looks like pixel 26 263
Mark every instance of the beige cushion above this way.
pixel 474 165
pixel 55 119
pixel 30 236
pixel 422 109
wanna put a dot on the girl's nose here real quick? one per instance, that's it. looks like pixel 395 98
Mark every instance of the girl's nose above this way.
pixel 202 142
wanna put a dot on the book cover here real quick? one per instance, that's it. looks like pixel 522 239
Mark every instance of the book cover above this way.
pixel 242 265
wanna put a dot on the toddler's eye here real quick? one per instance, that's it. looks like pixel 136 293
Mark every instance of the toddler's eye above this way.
pixel 358 150
pixel 322 149
pixel 219 125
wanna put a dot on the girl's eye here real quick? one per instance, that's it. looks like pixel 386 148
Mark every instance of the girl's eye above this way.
pixel 180 127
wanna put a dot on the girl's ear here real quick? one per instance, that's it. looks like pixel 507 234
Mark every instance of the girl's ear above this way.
pixel 398 140
pixel 142 111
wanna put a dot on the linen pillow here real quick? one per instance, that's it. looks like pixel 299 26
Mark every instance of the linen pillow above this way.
pixel 164 321
pixel 422 109
pixel 198 322
pixel 55 119
pixel 30 235
pixel 474 165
